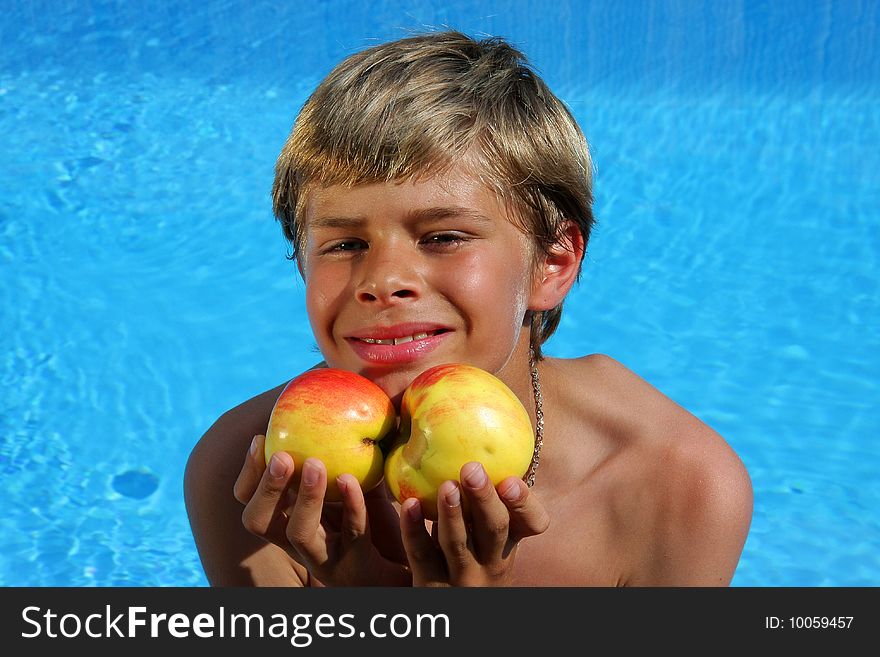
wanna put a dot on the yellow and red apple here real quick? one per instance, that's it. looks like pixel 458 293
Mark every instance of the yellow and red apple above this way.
pixel 336 416
pixel 451 415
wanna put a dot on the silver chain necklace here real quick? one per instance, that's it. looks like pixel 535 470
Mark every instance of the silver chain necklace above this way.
pixel 539 420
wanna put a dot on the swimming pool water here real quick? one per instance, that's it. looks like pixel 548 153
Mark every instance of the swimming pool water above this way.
pixel 145 288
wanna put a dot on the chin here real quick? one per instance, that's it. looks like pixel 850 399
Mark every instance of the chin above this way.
pixel 393 383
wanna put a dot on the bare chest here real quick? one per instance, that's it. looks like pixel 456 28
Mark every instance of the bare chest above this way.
pixel 578 549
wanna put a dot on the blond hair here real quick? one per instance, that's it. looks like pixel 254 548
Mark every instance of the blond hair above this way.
pixel 415 106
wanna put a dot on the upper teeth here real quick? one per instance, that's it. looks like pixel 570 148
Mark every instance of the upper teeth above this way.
pixel 406 338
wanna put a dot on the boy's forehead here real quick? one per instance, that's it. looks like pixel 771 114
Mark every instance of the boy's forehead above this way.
pixel 455 191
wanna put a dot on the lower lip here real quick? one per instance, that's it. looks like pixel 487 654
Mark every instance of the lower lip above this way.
pixel 397 354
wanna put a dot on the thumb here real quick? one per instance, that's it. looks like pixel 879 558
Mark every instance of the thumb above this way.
pixel 528 517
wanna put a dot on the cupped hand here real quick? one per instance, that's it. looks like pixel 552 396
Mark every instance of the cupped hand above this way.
pixel 475 551
pixel 335 542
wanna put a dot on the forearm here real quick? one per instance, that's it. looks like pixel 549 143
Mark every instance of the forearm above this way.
pixel 266 565
pixel 271 567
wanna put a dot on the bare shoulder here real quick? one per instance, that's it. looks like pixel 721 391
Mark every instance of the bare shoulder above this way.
pixel 234 429
pixel 230 555
pixel 679 492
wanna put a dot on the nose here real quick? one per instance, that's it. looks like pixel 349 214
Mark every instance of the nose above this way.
pixel 387 277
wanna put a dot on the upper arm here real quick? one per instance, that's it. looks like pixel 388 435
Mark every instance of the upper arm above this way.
pixel 704 514
pixel 230 555
pixel 694 494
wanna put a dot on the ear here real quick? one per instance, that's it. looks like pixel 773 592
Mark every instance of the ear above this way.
pixel 558 269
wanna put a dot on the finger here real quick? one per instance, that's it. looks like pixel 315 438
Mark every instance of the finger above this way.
pixel 424 561
pixel 490 518
pixel 528 517
pixel 251 471
pixel 452 534
pixel 262 515
pixel 304 531
pixel 384 524
pixel 354 509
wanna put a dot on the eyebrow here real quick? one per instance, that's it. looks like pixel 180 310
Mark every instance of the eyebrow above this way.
pixel 420 215
pixel 433 214
pixel 337 222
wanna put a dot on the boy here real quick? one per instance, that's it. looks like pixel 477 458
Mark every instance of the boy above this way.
pixel 438 199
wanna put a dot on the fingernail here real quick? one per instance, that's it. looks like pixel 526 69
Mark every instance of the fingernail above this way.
pixel 474 475
pixel 415 511
pixel 277 468
pixel 511 492
pixel 253 449
pixel 453 496
pixel 310 473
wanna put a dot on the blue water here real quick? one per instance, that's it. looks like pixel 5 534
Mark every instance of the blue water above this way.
pixel 145 288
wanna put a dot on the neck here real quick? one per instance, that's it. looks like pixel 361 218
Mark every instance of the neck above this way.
pixel 516 373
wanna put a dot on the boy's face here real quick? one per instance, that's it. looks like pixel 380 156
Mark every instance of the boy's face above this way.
pixel 403 276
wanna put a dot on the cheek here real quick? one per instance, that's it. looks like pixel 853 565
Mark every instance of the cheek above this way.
pixel 497 290
pixel 325 289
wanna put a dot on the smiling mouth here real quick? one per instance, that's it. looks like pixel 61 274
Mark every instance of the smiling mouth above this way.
pixel 404 339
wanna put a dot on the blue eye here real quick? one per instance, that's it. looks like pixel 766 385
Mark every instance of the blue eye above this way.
pixel 445 240
pixel 346 245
